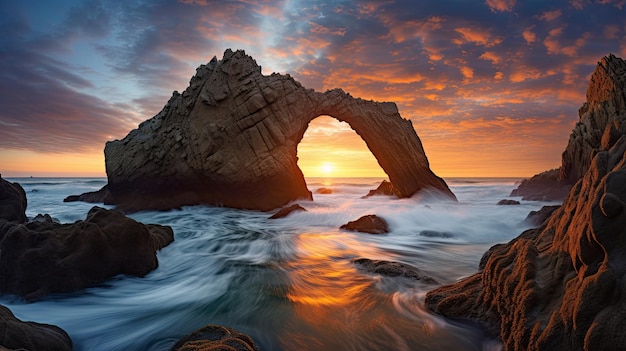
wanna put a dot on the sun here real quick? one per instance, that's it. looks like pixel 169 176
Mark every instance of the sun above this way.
pixel 327 168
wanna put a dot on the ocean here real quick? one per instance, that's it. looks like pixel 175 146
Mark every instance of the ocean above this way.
pixel 288 283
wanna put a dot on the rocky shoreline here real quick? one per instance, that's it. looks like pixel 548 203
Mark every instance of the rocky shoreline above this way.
pixel 561 286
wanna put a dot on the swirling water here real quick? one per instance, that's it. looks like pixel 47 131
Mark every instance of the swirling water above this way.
pixel 288 283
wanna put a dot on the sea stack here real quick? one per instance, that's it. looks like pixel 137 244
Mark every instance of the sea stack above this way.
pixel 230 139
pixel 561 286
pixel 601 123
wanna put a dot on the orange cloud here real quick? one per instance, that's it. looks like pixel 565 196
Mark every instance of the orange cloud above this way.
pixel 529 36
pixel 550 15
pixel 500 5
pixel 491 56
pixel 477 36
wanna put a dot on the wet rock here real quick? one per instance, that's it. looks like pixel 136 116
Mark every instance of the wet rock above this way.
pixel 215 338
pixel 102 196
pixel 39 258
pixel 18 335
pixel 230 139
pixel 508 202
pixel 436 234
pixel 325 191
pixel 285 211
pixel 393 269
pixel 544 186
pixel 538 217
pixel 45 218
pixel 385 188
pixel 12 202
pixel 611 205
pixel 371 224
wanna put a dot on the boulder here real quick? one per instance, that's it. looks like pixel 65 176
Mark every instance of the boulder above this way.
pixel 18 335
pixel 559 286
pixel 12 202
pixel 393 269
pixel 545 186
pixel 102 196
pixel 285 211
pixel 537 218
pixel 324 191
pixel 385 188
pixel 508 202
pixel 230 139
pixel 371 224
pixel 602 120
pixel 215 338
pixel 38 258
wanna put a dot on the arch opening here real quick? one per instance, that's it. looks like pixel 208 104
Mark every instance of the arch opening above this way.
pixel 330 149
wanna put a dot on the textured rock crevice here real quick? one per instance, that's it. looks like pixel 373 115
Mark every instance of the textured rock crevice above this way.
pixel 231 139
pixel 560 286
pixel 602 120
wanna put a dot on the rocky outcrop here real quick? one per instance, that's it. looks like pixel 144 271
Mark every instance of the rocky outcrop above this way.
pixel 285 211
pixel 371 224
pixel 103 196
pixel 324 191
pixel 214 338
pixel 42 257
pixel 385 188
pixel 602 120
pixel 18 335
pixel 393 269
pixel 545 186
pixel 230 139
pixel 537 218
pixel 12 202
pixel 560 286
pixel 508 202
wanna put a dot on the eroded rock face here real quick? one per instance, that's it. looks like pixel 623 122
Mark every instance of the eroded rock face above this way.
pixel 560 286
pixel 602 120
pixel 42 257
pixel 230 139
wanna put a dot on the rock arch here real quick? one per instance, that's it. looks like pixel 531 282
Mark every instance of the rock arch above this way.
pixel 231 139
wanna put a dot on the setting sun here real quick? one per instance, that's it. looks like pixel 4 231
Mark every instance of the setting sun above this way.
pixel 327 168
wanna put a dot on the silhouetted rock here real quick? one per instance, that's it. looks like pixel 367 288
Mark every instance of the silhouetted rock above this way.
pixel 393 269
pixel 102 196
pixel 18 335
pixel 38 258
pixel 215 338
pixel 538 217
pixel 371 224
pixel 12 202
pixel 508 202
pixel 45 218
pixel 325 191
pixel 602 121
pixel 560 286
pixel 436 234
pixel 285 211
pixel 230 139
pixel 385 188
pixel 544 186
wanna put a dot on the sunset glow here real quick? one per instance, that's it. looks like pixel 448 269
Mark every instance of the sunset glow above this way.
pixel 492 87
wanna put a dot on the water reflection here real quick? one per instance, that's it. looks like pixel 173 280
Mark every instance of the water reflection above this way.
pixel 337 307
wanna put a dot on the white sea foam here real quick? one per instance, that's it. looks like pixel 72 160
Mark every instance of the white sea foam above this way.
pixel 289 283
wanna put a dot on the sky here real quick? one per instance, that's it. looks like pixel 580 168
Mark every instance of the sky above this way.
pixel 492 87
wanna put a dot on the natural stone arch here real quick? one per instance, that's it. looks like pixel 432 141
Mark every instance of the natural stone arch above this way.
pixel 231 139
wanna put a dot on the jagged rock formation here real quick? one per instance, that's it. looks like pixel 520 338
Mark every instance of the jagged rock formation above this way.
pixel 231 139
pixel 602 120
pixel 385 188
pixel 12 202
pixel 560 286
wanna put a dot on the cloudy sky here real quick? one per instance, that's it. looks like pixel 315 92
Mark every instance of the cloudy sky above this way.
pixel 492 86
